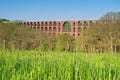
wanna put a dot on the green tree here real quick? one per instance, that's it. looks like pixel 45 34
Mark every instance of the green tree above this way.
pixel 65 43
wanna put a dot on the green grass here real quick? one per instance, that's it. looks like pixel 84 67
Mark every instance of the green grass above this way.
pixel 36 65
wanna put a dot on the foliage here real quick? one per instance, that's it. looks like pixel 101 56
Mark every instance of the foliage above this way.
pixel 101 38
pixel 2 20
pixel 34 65
pixel 65 43
pixel 104 36
pixel 16 36
pixel 111 16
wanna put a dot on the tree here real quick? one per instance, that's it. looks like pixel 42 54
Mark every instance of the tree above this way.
pixel 65 43
pixel 102 37
pixel 16 36
pixel 2 20
pixel 111 17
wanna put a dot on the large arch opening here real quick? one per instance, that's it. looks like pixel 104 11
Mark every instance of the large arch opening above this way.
pixel 66 27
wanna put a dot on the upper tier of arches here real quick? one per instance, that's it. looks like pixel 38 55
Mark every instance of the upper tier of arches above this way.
pixel 84 23
pixel 61 27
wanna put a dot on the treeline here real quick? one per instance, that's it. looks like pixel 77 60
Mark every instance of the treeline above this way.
pixel 3 20
pixel 103 37
pixel 111 16
pixel 100 38
pixel 16 36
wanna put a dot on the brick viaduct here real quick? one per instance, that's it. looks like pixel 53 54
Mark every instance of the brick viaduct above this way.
pixel 58 27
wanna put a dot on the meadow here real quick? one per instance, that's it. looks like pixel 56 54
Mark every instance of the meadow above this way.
pixel 37 65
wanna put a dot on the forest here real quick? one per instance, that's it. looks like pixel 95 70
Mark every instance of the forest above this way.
pixel 103 37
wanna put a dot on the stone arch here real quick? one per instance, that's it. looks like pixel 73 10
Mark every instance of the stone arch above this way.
pixel 78 34
pixel 73 29
pixel 73 35
pixel 38 23
pixel 91 23
pixel 46 23
pixel 54 29
pixel 34 23
pixel 54 23
pixel 28 24
pixel 73 23
pixel 59 24
pixel 85 23
pixel 59 29
pixel 79 29
pixel 42 29
pixel 38 27
pixel 50 23
pixel 66 26
pixel 31 23
pixel 46 28
pixel 79 23
pixel 42 23
pixel 50 28
pixel 24 23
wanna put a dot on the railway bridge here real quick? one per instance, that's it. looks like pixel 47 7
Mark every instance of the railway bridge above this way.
pixel 61 27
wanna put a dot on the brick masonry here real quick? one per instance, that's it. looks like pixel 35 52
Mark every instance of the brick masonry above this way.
pixel 57 27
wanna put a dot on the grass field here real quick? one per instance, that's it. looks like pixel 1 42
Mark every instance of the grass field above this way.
pixel 36 65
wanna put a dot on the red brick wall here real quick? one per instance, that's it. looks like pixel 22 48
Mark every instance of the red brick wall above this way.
pixel 56 27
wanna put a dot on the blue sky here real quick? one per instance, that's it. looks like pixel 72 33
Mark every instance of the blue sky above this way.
pixel 35 10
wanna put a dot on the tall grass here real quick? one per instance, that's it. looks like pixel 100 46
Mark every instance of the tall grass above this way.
pixel 35 65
